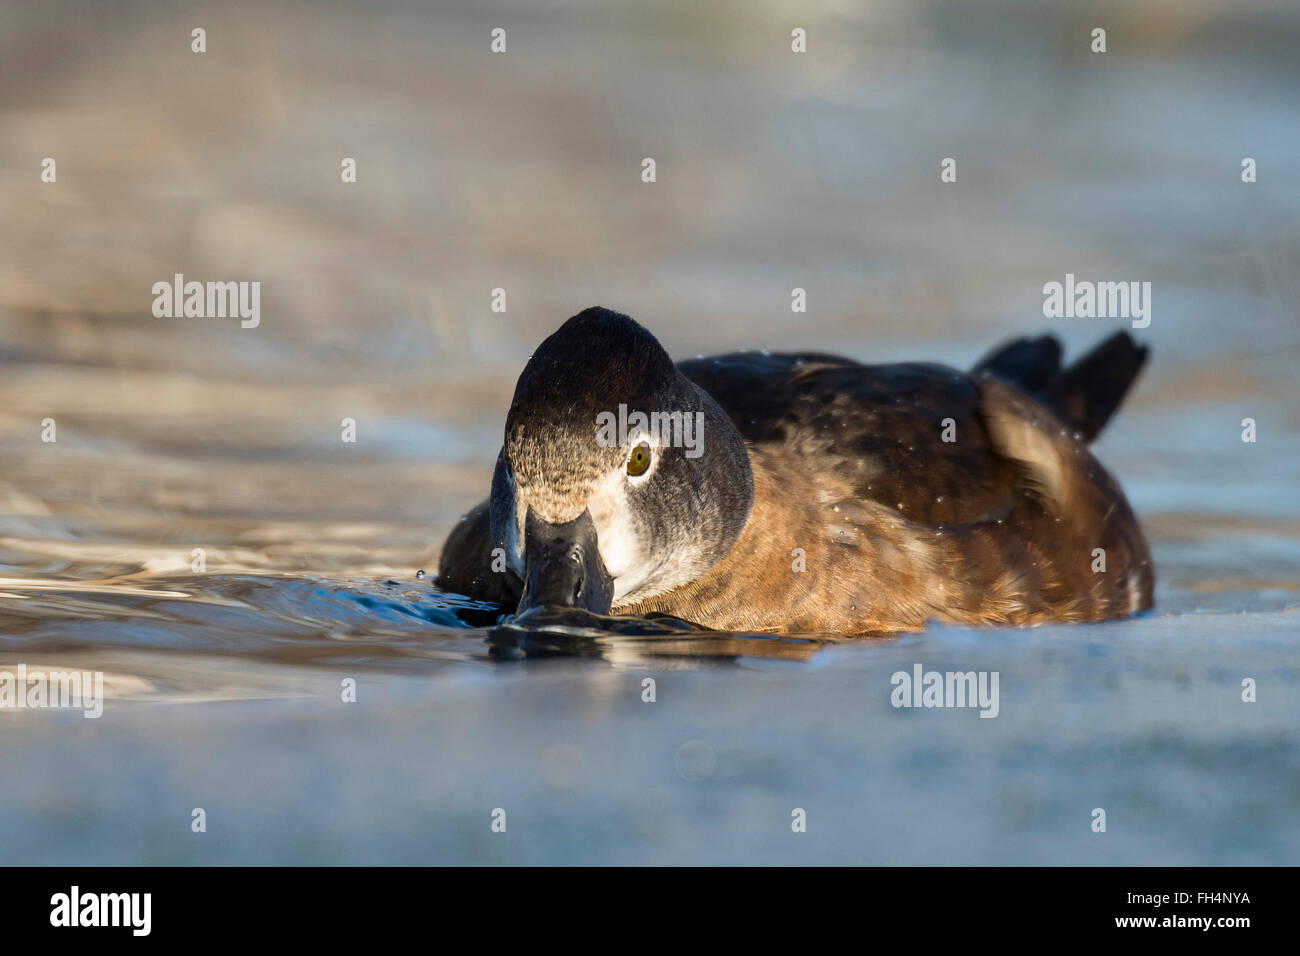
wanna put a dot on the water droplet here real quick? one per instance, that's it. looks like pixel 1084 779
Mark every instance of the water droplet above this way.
pixel 419 575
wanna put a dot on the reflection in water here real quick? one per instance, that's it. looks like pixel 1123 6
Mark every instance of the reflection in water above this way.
pixel 569 632
pixel 383 626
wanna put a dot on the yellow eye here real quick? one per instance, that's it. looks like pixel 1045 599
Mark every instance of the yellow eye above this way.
pixel 639 460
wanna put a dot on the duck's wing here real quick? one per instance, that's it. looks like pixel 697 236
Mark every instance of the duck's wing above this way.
pixel 908 436
pixel 466 565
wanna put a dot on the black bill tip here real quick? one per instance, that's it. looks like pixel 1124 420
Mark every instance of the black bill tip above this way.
pixel 562 566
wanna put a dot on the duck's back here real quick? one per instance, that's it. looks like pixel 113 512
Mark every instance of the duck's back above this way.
pixel 908 436
pixel 913 436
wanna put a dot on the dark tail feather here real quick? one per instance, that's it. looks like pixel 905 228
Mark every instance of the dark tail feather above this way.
pixel 1086 394
pixel 1031 364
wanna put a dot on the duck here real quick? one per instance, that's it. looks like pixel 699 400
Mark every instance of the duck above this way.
pixel 804 493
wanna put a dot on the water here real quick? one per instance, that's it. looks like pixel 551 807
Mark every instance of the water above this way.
pixel 225 684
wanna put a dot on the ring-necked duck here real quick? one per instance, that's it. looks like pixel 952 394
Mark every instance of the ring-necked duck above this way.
pixel 806 492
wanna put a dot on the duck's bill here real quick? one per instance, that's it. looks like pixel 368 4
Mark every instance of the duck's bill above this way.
pixel 562 566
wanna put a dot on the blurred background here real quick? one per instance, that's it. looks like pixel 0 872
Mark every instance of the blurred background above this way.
pixel 522 171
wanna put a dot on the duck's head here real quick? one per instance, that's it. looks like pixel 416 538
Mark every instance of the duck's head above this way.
pixel 619 479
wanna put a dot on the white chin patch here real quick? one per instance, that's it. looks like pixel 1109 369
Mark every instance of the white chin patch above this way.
pixel 617 535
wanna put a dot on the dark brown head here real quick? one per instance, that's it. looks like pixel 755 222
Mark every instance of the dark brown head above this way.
pixel 619 478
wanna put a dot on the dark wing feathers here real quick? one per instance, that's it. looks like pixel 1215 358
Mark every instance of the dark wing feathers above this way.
pixel 465 566
pixel 1029 363
pixel 881 428
pixel 1085 395
pixel 1088 393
